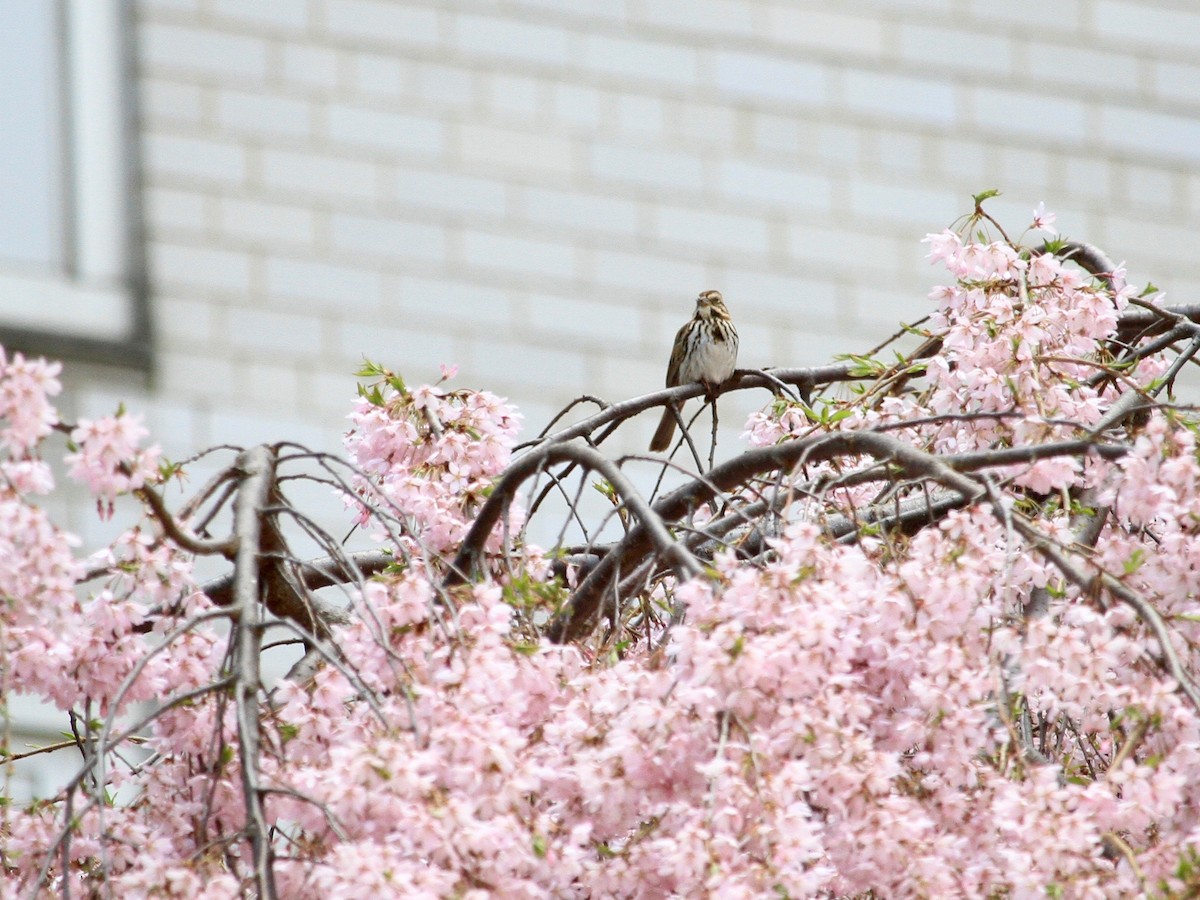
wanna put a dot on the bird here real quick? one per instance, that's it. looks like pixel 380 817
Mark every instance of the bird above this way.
pixel 705 351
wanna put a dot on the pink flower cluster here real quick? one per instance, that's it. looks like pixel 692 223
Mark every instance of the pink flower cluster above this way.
pixel 427 456
pixel 109 461
pixel 831 719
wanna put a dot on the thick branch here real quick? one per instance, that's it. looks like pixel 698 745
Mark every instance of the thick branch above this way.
pixel 466 563
pixel 577 617
pixel 258 469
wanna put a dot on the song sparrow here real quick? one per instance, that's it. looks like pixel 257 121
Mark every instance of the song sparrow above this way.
pixel 705 350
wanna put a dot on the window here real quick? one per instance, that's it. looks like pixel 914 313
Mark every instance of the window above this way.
pixel 70 266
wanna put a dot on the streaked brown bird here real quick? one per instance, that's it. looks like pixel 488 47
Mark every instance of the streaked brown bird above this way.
pixel 705 351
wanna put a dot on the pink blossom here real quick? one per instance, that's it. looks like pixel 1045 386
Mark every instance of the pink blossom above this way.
pixel 108 460
pixel 1044 221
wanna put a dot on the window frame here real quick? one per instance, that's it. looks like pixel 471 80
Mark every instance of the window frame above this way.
pixel 96 308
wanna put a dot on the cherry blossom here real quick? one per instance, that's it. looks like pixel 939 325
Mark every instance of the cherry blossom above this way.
pixel 990 700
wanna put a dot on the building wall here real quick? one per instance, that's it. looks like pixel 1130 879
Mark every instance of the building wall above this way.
pixel 537 189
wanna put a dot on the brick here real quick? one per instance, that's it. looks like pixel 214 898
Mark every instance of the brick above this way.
pixel 310 65
pixel 775 186
pixel 964 160
pixel 410 349
pixel 1062 15
pixel 380 75
pixel 388 131
pixel 777 299
pixel 909 6
pixel 704 124
pixel 382 21
pixel 492 36
pixel 278 14
pixel 268 223
pixel 1157 135
pixel 653 274
pixel 482 306
pixel 869 326
pixel 596 323
pixel 718 17
pixel 1102 73
pixel 263 114
pixel 1151 188
pixel 620 376
pixel 778 134
pixel 834 142
pixel 640 115
pixel 333 393
pixel 446 87
pixel 205 376
pixel 173 210
pixel 578 105
pixel 722 232
pixel 514 97
pixel 900 97
pixel 262 382
pixel 1154 26
pixel 770 78
pixel 803 26
pixel 334 287
pixel 578 211
pixel 1153 244
pixel 241 427
pixel 173 6
pixel 1176 80
pixel 318 174
pixel 196 158
pixel 494 251
pixel 635 165
pixel 385 238
pixel 228 56
pixel 176 264
pixel 171 101
pixel 640 61
pixel 523 366
pixel 822 248
pixel 450 192
pixel 614 11
pixel 955 49
pixel 1038 115
pixel 275 332
pixel 172 424
pixel 184 321
pixel 1088 177
pixel 894 150
pixel 1024 168
pixel 510 148
pixel 928 208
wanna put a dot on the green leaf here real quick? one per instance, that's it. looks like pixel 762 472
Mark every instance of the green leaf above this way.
pixel 369 370
pixel 985 195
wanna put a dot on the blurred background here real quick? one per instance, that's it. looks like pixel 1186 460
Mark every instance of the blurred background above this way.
pixel 211 210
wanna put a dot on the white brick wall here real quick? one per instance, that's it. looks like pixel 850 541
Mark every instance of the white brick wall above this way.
pixel 537 189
